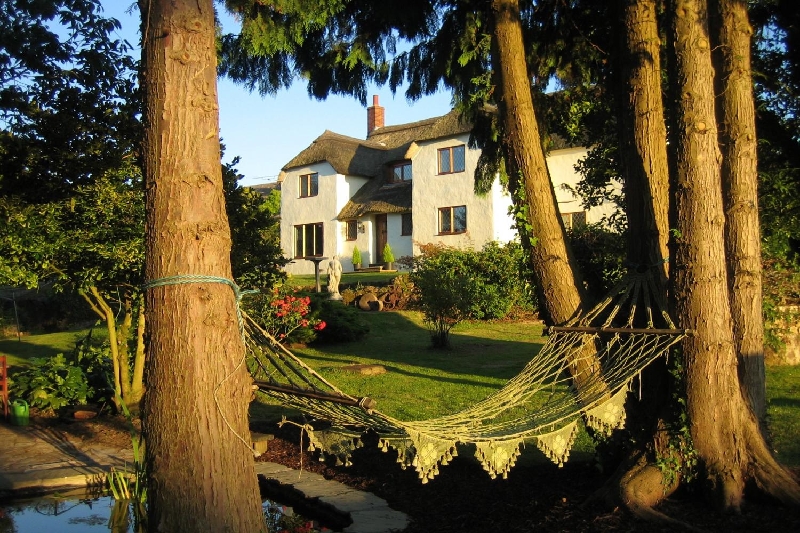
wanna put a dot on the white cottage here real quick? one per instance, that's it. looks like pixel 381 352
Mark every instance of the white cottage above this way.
pixel 404 185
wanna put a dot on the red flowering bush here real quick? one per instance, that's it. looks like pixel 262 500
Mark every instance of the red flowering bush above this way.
pixel 285 314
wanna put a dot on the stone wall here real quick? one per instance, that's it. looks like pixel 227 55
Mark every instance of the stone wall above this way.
pixel 790 335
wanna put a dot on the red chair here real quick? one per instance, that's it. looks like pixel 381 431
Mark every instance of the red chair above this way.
pixel 4 385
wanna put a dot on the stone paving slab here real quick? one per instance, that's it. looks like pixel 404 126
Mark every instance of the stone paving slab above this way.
pixel 370 514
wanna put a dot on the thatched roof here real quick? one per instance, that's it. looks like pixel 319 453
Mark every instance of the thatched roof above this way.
pixel 370 159
pixel 377 196
pixel 348 156
pixel 424 130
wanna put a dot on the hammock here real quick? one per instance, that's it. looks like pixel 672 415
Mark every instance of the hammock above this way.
pixel 539 404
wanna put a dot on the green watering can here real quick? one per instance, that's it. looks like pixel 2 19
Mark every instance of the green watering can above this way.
pixel 20 415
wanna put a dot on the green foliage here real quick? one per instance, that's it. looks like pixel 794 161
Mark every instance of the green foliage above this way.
pixel 600 254
pixel 781 288
pixel 256 255
pixel 338 47
pixel 61 380
pixel 93 238
pixel 388 256
pixel 679 460
pixel 343 323
pixel 26 241
pixel 68 97
pixel 356 256
pixel 456 285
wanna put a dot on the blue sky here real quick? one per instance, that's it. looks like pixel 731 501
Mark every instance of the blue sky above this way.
pixel 266 132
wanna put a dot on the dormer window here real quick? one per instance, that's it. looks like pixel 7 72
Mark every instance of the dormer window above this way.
pixel 452 159
pixel 309 185
pixel 401 172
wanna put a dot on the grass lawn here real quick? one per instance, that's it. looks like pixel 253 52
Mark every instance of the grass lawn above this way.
pixel 783 412
pixel 348 279
pixel 19 352
pixel 421 382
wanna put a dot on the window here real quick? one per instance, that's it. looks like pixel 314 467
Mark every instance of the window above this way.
pixel 407 224
pixel 401 172
pixel 309 185
pixel 352 230
pixel 574 220
pixel 452 159
pixel 453 219
pixel 308 240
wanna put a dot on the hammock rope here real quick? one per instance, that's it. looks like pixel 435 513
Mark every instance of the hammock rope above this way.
pixel 541 403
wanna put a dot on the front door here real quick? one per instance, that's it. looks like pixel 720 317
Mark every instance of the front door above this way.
pixel 381 234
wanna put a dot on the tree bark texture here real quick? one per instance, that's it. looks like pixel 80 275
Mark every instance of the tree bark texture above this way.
pixel 724 430
pixel 561 291
pixel 644 137
pixel 195 422
pixel 731 34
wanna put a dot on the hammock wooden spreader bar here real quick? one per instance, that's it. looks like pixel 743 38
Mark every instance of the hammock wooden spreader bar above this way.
pixel 365 402
pixel 589 329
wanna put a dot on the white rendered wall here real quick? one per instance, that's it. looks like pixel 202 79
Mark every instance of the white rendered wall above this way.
pixel 432 191
pixel 561 164
pixel 333 193
pixel 503 221
pixel 487 216
pixel 401 244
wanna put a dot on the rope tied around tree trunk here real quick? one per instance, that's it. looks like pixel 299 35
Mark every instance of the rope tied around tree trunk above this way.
pixel 185 279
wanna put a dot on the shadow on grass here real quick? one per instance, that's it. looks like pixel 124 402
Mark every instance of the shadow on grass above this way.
pixel 484 349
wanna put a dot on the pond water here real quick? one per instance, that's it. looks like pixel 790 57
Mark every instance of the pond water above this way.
pixel 77 513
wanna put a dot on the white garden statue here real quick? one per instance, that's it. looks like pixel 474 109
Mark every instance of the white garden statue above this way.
pixel 334 276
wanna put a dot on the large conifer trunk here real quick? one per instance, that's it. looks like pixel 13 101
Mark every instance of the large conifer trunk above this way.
pixel 560 290
pixel 526 166
pixel 201 468
pixel 724 430
pixel 644 136
pixel 731 33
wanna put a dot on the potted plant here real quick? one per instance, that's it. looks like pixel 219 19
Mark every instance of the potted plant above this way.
pixel 388 257
pixel 356 258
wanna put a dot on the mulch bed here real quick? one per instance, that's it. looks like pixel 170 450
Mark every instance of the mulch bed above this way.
pixel 535 497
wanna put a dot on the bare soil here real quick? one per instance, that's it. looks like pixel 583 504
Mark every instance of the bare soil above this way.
pixel 537 496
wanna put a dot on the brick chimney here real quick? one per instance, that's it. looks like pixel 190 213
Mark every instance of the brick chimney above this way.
pixel 375 115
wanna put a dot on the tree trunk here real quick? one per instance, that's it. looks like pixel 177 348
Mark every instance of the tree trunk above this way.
pixel 137 380
pixel 638 484
pixel 724 430
pixel 123 352
pixel 560 290
pixel 104 311
pixel 562 293
pixel 731 32
pixel 201 468
pixel 644 137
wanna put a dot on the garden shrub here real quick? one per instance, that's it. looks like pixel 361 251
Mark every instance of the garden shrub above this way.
pixel 342 323
pixel 456 285
pixel 284 313
pixel 67 380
